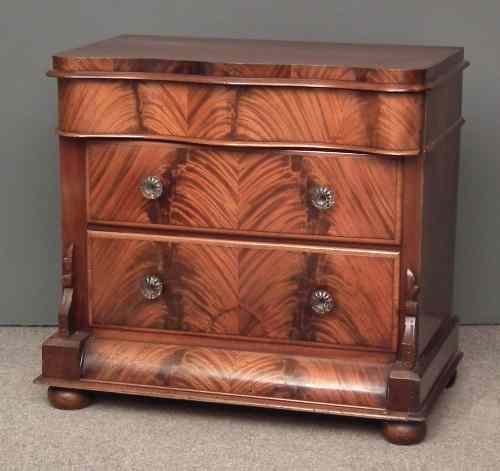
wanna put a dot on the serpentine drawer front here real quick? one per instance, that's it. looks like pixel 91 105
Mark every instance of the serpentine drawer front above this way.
pixel 260 223
pixel 327 295
pixel 268 191
pixel 221 114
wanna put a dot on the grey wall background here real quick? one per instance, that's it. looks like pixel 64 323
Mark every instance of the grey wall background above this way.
pixel 30 31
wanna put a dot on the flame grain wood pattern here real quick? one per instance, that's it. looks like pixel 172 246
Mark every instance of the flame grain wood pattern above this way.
pixel 351 63
pixel 237 372
pixel 248 292
pixel 219 113
pixel 243 190
pixel 223 279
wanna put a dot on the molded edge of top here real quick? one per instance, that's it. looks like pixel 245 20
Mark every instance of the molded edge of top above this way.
pixel 263 62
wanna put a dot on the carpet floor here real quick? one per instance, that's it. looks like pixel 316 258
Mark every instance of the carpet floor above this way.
pixel 130 433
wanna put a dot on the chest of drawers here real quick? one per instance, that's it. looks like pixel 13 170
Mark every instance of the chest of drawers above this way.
pixel 259 223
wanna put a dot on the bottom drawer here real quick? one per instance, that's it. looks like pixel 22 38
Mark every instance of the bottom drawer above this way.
pixel 283 292
pixel 356 379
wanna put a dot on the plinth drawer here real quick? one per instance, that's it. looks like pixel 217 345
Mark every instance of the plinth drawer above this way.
pixel 285 292
pixel 336 195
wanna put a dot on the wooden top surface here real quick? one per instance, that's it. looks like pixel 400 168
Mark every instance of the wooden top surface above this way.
pixel 252 51
pixel 260 58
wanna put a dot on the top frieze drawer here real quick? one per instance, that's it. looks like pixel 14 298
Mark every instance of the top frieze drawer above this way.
pixel 251 115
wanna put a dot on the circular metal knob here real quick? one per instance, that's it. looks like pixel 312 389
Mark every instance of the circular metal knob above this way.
pixel 322 198
pixel 151 287
pixel 322 302
pixel 151 188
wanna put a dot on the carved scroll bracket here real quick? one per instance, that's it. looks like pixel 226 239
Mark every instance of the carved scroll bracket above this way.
pixel 408 346
pixel 64 321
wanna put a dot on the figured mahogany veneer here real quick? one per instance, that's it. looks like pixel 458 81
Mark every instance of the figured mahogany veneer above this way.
pixel 237 372
pixel 266 191
pixel 218 114
pixel 351 64
pixel 228 279
pixel 217 288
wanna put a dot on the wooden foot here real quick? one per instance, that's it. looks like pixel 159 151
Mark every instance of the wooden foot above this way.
pixel 452 380
pixel 68 399
pixel 404 433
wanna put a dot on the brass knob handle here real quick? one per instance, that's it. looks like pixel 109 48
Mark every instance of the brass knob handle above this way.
pixel 151 188
pixel 151 287
pixel 322 198
pixel 322 302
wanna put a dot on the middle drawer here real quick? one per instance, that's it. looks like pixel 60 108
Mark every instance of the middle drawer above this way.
pixel 260 191
pixel 287 292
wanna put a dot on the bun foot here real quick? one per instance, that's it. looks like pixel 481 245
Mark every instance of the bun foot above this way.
pixel 451 381
pixel 68 399
pixel 404 433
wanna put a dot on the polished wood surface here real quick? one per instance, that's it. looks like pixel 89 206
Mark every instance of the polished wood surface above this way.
pixel 64 317
pixel 68 399
pixel 251 191
pixel 300 146
pixel 239 133
pixel 440 177
pixel 244 291
pixel 415 388
pixel 377 64
pixel 238 342
pixel 268 402
pixel 388 87
pixel 404 433
pixel 385 121
pixel 236 372
pixel 385 413
pixel 61 355
pixel 408 347
pixel 74 221
pixel 437 356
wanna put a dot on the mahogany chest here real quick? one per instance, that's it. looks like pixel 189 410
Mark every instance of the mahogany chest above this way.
pixel 263 223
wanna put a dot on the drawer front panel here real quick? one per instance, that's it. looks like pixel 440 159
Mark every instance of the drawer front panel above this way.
pixel 357 380
pixel 245 289
pixel 387 122
pixel 262 191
